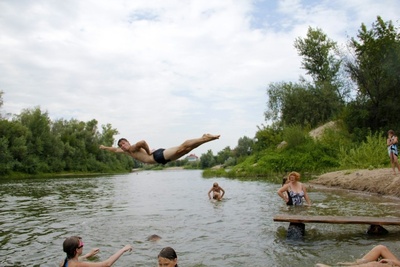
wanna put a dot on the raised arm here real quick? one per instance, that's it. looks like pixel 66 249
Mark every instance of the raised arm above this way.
pixel 110 261
pixel 284 188
pixel 111 149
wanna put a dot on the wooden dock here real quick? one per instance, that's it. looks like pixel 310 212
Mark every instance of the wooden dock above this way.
pixel 374 222
pixel 337 219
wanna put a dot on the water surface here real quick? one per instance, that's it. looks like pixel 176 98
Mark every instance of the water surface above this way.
pixel 111 211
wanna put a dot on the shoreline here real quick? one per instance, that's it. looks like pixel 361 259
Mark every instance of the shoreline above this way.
pixel 377 181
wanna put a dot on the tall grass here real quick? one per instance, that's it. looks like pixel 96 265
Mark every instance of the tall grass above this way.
pixel 369 154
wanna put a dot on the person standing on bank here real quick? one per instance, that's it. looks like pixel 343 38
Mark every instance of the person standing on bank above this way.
pixel 391 143
pixel 297 191
pixel 141 151
pixel 73 247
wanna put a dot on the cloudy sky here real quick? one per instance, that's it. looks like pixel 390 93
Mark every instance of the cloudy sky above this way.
pixel 164 70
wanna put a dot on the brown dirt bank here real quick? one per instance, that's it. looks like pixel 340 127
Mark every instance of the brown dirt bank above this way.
pixel 380 181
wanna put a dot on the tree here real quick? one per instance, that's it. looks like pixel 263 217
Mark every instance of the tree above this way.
pixel 318 58
pixel 375 69
pixel 244 147
pixel 297 103
pixel 224 155
pixel 267 137
pixel 207 160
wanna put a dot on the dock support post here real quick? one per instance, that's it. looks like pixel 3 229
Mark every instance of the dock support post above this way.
pixel 296 230
pixel 374 229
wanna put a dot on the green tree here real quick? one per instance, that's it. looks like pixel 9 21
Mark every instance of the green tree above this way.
pixel 376 71
pixel 39 141
pixel 318 58
pixel 267 137
pixel 297 103
pixel 207 160
pixel 224 155
pixel 244 147
pixel 13 148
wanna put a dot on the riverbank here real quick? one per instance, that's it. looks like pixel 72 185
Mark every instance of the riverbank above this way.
pixel 379 181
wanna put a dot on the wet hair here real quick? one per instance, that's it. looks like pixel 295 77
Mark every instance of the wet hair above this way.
pixel 391 132
pixel 122 139
pixel 168 253
pixel 296 175
pixel 215 184
pixel 70 245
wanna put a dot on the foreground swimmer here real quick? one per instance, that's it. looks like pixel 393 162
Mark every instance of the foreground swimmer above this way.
pixel 73 247
pixel 378 256
pixel 167 258
pixel 141 151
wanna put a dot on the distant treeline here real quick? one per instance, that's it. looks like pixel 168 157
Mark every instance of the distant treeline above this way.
pixel 31 143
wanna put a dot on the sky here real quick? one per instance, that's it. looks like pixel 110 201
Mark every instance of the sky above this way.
pixel 164 70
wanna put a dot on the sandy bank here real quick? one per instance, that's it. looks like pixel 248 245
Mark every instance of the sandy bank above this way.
pixel 380 181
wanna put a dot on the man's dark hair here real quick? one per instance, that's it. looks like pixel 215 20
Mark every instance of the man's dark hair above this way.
pixel 168 253
pixel 122 139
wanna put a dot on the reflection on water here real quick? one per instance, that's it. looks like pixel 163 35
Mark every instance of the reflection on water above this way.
pixel 109 212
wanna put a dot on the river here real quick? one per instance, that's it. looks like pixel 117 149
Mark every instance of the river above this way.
pixel 111 211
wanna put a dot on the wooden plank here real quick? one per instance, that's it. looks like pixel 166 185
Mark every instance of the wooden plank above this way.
pixel 337 219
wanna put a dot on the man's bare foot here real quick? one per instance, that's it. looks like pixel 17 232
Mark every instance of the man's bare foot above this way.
pixel 211 136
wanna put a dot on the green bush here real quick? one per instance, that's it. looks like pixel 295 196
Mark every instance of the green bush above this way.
pixel 371 153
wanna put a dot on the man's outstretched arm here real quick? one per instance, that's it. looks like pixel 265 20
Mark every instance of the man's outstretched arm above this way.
pixel 111 149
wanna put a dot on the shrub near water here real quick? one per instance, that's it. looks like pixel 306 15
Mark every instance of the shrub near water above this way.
pixel 369 154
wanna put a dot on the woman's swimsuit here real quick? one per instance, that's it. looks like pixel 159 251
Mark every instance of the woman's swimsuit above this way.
pixel 297 198
pixel 393 149
pixel 158 156
pixel 290 201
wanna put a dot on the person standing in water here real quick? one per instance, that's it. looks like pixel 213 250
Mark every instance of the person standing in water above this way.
pixel 297 191
pixel 217 192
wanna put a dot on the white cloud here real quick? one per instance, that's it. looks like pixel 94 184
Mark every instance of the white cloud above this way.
pixel 163 71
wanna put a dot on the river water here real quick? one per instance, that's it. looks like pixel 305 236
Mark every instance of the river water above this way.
pixel 111 211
